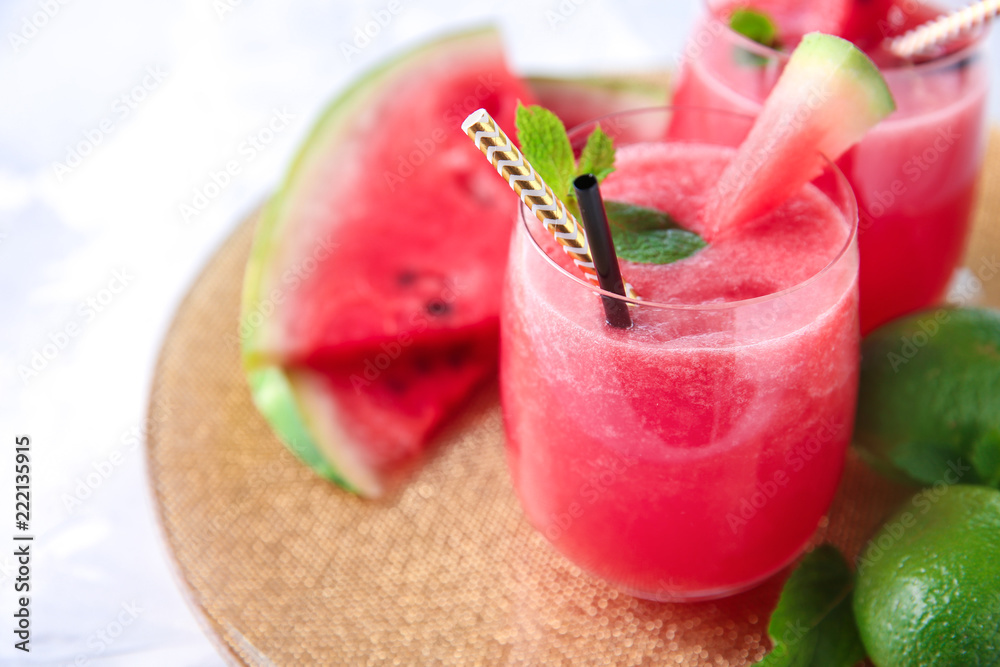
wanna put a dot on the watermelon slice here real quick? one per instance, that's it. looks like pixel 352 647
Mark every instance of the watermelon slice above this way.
pixel 375 276
pixel 389 224
pixel 794 18
pixel 362 422
pixel 828 97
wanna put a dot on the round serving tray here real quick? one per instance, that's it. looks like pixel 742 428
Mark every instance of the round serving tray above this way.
pixel 287 569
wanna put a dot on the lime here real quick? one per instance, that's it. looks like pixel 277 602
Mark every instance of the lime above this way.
pixel 928 586
pixel 929 402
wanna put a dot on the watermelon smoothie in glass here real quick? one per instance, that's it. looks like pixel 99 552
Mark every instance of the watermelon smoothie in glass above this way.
pixel 914 175
pixel 692 455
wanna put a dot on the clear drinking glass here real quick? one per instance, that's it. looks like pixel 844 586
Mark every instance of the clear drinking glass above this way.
pixel 692 455
pixel 914 175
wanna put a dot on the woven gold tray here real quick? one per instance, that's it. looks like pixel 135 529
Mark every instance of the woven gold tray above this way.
pixel 286 569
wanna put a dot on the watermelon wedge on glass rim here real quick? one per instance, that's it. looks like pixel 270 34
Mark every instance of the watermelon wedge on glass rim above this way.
pixel 371 297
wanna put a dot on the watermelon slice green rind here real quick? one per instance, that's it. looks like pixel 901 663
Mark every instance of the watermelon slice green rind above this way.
pixel 828 97
pixel 275 397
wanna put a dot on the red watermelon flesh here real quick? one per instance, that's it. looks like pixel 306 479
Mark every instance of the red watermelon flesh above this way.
pixel 398 397
pixel 419 221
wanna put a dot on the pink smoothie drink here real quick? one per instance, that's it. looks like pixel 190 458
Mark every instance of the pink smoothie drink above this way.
pixel 914 175
pixel 692 455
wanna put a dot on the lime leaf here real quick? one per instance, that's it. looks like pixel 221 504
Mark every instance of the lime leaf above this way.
pixel 648 236
pixel 754 25
pixel 813 624
pixel 598 156
pixel 545 145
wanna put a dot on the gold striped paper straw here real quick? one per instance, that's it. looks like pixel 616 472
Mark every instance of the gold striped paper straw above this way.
pixel 536 195
pixel 942 30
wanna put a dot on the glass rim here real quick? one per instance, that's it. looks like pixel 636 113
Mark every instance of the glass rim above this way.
pixel 980 35
pixel 852 203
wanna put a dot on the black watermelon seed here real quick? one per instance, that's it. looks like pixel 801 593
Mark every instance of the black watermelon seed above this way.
pixel 438 308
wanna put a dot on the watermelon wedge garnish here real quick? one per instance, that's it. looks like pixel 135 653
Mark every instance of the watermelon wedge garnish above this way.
pixel 794 18
pixel 828 97
pixel 371 298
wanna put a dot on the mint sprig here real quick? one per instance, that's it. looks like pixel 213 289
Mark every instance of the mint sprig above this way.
pixel 754 25
pixel 813 623
pixel 640 234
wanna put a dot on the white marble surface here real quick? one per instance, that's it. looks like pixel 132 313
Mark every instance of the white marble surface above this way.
pixel 95 256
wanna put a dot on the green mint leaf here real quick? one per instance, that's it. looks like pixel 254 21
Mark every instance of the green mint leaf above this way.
pixel 648 236
pixel 813 624
pixel 545 145
pixel 598 156
pixel 638 218
pixel 754 25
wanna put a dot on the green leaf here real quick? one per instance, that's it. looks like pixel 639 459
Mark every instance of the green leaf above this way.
pixel 648 236
pixel 754 25
pixel 598 156
pixel 638 218
pixel 545 145
pixel 813 624
pixel 985 457
pixel 924 461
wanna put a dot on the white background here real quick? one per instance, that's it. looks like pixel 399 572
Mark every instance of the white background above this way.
pixel 222 69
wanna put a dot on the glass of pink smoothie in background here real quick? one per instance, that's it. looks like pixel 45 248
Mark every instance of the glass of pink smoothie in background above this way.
pixel 693 455
pixel 914 175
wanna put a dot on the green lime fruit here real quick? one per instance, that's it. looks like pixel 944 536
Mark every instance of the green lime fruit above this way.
pixel 928 585
pixel 929 402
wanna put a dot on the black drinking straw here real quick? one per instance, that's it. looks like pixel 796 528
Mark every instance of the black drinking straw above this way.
pixel 602 249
